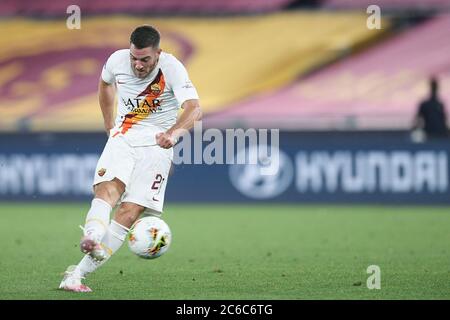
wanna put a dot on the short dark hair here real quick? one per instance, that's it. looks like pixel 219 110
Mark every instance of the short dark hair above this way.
pixel 145 36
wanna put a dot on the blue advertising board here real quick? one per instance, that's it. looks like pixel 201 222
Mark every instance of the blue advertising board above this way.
pixel 314 167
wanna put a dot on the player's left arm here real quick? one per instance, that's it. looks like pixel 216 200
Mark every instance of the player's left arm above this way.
pixel 192 112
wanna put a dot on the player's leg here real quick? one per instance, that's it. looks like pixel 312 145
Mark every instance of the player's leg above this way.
pixel 115 236
pixel 101 238
pixel 107 194
pixel 144 194
pixel 125 216
pixel 113 171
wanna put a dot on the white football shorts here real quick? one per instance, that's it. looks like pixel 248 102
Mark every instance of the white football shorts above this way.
pixel 144 170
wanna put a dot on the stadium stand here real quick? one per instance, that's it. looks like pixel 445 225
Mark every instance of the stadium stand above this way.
pixel 388 4
pixel 58 8
pixel 377 89
pixel 49 73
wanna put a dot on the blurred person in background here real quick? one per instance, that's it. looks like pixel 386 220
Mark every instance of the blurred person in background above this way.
pixel 431 115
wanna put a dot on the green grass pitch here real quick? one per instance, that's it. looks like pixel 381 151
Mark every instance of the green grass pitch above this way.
pixel 238 252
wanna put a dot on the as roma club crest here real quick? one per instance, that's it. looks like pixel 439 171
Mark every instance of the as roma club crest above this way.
pixel 155 89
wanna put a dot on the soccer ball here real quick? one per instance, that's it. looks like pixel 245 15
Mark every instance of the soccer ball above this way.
pixel 149 237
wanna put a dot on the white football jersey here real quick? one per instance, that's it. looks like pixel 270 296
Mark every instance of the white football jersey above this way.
pixel 147 106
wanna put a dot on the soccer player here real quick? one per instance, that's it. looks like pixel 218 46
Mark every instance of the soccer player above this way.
pixel 133 169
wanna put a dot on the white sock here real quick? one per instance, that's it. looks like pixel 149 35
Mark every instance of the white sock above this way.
pixel 97 219
pixel 111 242
pixel 114 237
pixel 86 266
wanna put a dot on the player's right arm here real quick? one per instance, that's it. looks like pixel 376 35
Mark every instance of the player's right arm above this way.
pixel 106 94
pixel 107 91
